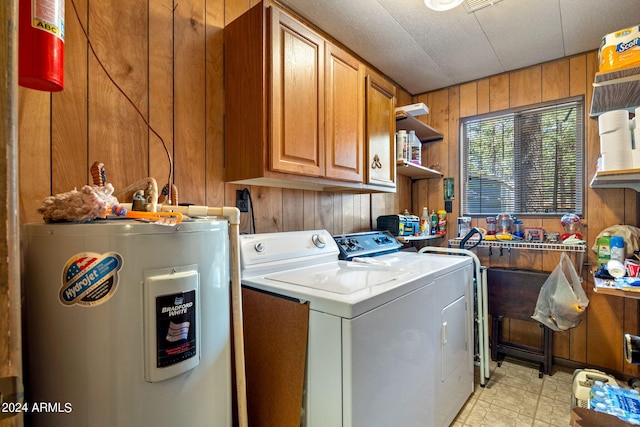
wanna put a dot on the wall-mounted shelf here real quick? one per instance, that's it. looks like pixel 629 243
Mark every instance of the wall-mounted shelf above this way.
pixel 424 132
pixel 418 238
pixel 616 90
pixel 530 246
pixel 629 178
pixel 521 244
pixel 415 171
pixel 609 287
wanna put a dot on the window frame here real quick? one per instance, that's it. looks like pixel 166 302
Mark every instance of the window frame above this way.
pixel 519 112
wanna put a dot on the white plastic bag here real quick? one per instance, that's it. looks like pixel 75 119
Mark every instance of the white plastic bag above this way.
pixel 561 301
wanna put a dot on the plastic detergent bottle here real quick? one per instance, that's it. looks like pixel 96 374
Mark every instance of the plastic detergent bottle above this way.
pixel 425 222
pixel 616 245
pixel 416 148
pixel 604 249
pixel 434 223
pixel 442 222
pixel 401 143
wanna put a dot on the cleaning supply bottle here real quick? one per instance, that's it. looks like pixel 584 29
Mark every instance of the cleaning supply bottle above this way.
pixel 604 248
pixel 425 222
pixel 442 222
pixel 616 245
pixel 416 148
pixel 434 223
pixel 401 144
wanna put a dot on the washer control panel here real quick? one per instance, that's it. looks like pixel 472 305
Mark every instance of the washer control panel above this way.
pixel 366 244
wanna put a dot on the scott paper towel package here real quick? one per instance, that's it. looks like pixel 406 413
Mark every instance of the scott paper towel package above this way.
pixel 620 49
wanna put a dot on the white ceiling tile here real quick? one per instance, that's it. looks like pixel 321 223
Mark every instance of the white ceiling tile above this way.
pixel 423 50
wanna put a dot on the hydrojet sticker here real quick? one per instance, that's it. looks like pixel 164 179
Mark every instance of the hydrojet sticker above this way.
pixel 90 278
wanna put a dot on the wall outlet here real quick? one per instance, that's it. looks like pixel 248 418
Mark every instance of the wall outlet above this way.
pixel 242 200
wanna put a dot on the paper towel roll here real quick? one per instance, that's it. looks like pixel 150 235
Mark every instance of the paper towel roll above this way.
pixel 635 158
pixel 619 140
pixel 617 160
pixel 616 268
pixel 613 120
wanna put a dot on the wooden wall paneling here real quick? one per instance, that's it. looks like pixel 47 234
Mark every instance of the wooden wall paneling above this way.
pixel 468 100
pixel 604 315
pixel 292 209
pixel 34 159
pixel 267 207
pixel 525 86
pixel 347 214
pixel 324 211
pixel 214 98
pixel 367 221
pixel 379 207
pixel 403 196
pixel 338 213
pixel 555 80
pixel 309 210
pixel 579 83
pixel 235 8
pixel 189 101
pixel 161 62
pixel 69 110
pixel 499 92
pixel 454 157
pixel 117 135
pixel 484 96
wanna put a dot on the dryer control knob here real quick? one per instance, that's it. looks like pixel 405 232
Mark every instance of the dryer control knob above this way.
pixel 319 241
pixel 259 247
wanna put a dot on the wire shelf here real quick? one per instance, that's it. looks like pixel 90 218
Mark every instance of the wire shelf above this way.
pixel 515 244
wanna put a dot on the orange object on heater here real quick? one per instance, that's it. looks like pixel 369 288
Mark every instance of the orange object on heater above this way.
pixel 41 45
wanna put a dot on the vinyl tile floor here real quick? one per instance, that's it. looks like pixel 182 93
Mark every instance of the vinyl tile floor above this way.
pixel 515 396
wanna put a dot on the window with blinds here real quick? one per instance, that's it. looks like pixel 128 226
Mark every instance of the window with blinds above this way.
pixel 524 162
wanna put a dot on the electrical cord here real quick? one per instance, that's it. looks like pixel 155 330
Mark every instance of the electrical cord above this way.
pixel 246 192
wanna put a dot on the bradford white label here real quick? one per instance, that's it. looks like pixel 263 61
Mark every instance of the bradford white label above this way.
pixel 176 328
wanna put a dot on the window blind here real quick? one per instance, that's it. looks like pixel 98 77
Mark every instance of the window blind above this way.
pixel 525 162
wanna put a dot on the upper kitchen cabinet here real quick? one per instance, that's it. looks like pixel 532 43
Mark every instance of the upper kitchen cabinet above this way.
pixel 380 130
pixel 295 106
pixel 344 115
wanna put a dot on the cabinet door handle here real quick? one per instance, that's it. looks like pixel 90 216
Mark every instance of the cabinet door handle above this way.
pixel 376 162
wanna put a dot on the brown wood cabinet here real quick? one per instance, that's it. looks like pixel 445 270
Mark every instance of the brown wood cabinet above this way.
pixel 344 115
pixel 380 125
pixel 295 108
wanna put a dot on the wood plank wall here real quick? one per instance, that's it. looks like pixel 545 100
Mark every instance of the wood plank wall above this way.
pixel 598 340
pixel 167 57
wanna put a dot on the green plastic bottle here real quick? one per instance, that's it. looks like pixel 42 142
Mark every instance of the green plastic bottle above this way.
pixel 604 249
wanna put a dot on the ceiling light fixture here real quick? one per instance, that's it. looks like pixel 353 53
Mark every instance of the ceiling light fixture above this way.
pixel 441 5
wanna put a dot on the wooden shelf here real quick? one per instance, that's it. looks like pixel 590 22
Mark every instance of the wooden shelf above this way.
pixel 415 171
pixel 629 178
pixel 608 287
pixel 417 238
pixel 424 132
pixel 616 90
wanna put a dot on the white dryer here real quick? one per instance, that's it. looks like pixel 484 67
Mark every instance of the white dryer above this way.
pixel 374 356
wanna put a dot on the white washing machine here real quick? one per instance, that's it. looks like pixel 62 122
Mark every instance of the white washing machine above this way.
pixel 374 354
pixel 127 324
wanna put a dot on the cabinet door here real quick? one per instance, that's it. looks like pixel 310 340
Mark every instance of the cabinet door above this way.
pixel 344 115
pixel 297 97
pixel 380 127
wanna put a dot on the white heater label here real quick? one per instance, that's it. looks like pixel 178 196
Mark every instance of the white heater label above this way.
pixel 176 328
